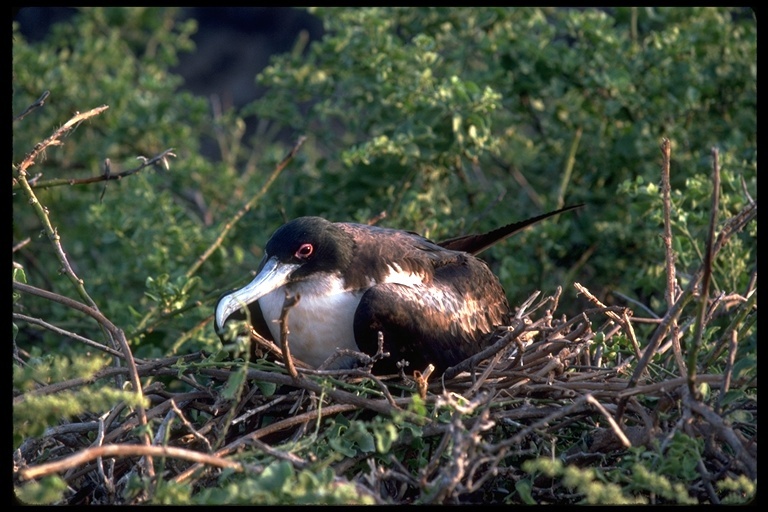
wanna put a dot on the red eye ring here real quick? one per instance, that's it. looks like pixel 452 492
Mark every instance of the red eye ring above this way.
pixel 304 251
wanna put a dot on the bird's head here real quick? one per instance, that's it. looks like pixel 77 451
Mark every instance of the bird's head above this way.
pixel 298 251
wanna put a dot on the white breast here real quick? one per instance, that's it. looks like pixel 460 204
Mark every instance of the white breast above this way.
pixel 321 322
pixel 323 319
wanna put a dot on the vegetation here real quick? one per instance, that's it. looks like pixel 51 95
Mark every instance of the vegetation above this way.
pixel 638 383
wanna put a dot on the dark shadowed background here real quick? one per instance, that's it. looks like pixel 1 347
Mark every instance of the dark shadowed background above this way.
pixel 233 44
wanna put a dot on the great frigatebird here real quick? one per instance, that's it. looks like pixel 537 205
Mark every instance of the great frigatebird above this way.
pixel 433 302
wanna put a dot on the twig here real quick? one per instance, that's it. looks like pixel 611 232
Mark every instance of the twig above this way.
pixel 726 433
pixel 366 360
pixel 422 380
pixel 384 390
pixel 189 426
pixel 149 368
pixel 288 303
pixel 37 104
pixel 623 320
pixel 116 334
pixel 486 373
pixel 666 149
pixel 744 310
pixel 108 483
pixel 21 244
pixel 295 460
pixel 245 208
pixel 521 180
pixel 72 335
pixel 379 406
pixel 259 409
pixel 669 254
pixel 630 332
pixel 568 170
pixel 107 174
pixel 42 211
pixel 615 426
pixel 559 412
pixel 499 345
pixel 376 218
pixel 125 450
pixel 53 140
pixel 274 427
pixel 665 386
pixel 707 275
pixel 636 303
pixel 730 227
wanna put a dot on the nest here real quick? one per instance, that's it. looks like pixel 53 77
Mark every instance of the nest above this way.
pixel 546 390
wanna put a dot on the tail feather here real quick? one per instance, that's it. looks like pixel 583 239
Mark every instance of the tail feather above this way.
pixel 475 244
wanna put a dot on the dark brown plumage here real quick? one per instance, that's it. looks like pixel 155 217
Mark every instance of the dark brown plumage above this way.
pixel 434 302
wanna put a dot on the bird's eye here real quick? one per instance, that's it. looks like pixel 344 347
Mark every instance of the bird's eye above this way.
pixel 305 251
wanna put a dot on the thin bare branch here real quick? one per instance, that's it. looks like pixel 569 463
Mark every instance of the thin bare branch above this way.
pixel 693 352
pixel 125 450
pixel 34 106
pixel 246 208
pixel 107 174
pixel 53 140
pixel 288 303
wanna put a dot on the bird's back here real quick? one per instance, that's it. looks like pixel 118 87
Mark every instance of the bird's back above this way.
pixel 433 305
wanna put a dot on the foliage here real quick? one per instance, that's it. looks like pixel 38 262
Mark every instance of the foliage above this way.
pixel 144 229
pixel 597 492
pixel 508 112
pixel 450 121
pixel 48 490
pixel 661 472
pixel 280 484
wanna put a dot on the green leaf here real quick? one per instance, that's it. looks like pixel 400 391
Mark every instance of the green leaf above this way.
pixel 267 388
pixel 234 384
pixel 48 490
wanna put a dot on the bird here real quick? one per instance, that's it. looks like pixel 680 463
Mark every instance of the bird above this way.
pixel 433 302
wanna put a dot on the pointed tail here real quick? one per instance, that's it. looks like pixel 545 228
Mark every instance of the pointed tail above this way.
pixel 475 244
